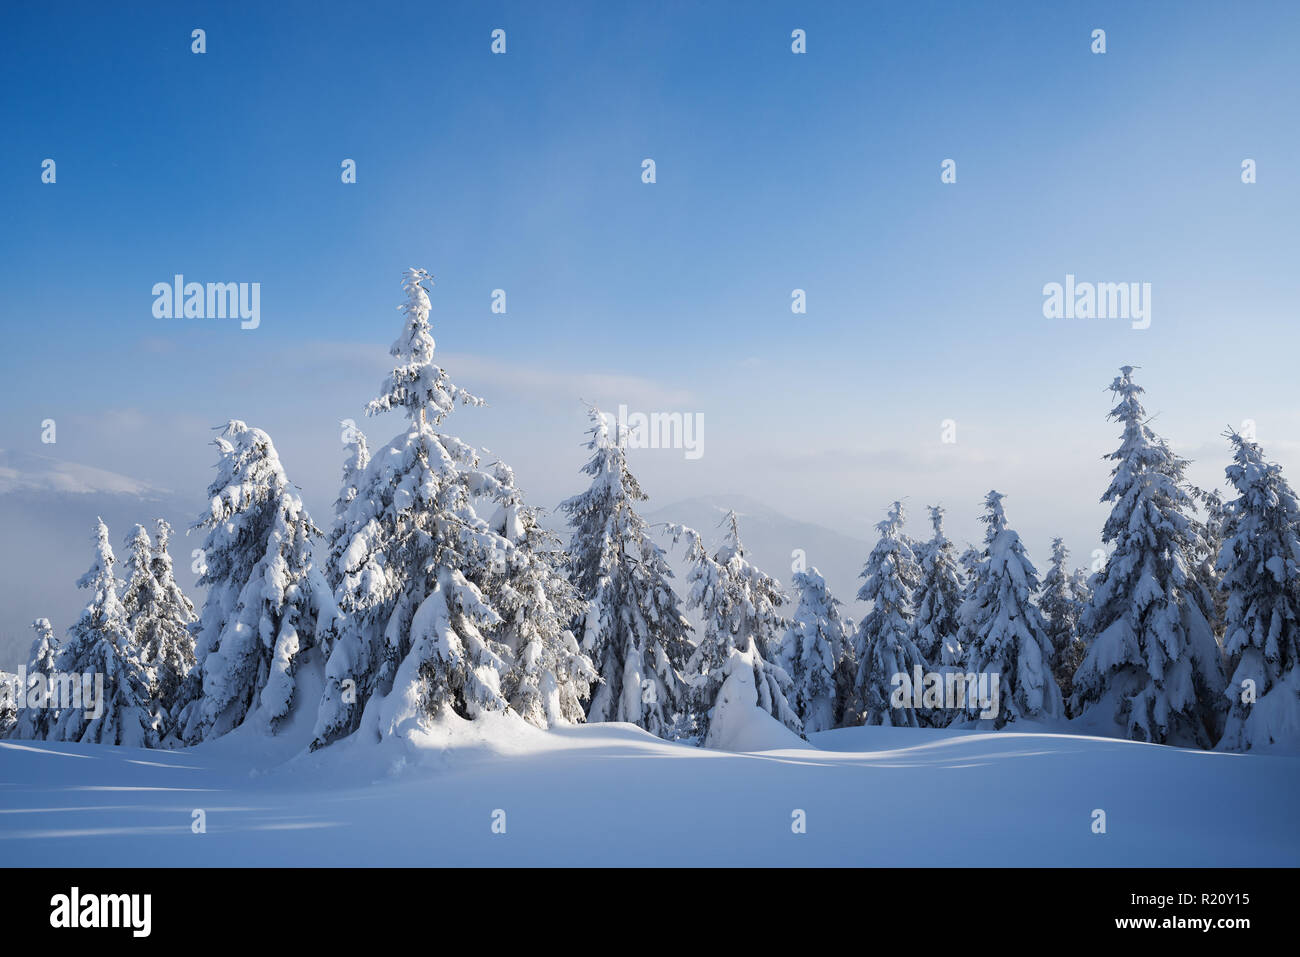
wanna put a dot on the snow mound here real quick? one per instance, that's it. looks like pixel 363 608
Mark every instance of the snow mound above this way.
pixel 738 724
pixel 750 728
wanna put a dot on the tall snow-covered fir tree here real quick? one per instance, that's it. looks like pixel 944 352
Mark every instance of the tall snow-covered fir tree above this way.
pixel 1002 630
pixel 550 677
pixel 139 581
pixel 1260 568
pixel 817 654
pixel 138 595
pixel 267 606
pixel 1212 531
pixel 937 601
pixel 883 644
pixel 355 460
pixel 415 561
pixel 631 622
pixel 169 653
pixel 1061 610
pixel 1152 662
pixel 731 669
pixel 159 616
pixel 34 723
pixel 100 645
pixel 937 597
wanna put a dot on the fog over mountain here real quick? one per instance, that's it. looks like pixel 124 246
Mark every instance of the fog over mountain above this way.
pixel 770 539
pixel 48 507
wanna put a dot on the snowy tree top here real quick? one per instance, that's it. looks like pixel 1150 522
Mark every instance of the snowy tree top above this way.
pixel 1250 470
pixel 417 384
pixel 358 456
pixel 248 471
pixel 43 643
pixel 811 579
pixel 140 549
pixel 608 463
pixel 936 520
pixel 891 568
pixel 162 532
pixel 995 517
pixel 731 543
pixel 100 576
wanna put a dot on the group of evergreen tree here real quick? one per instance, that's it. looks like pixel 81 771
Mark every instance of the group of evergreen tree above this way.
pixel 1188 635
pixel 138 646
pixel 441 593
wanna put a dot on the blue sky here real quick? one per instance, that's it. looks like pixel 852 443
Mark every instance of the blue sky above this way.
pixel 775 172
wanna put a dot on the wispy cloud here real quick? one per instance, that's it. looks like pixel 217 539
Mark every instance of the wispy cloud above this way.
pixel 491 376
pixel 27 472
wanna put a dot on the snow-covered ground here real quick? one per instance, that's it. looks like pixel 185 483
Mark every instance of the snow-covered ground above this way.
pixel 612 794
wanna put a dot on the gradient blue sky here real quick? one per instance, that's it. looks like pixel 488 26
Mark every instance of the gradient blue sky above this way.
pixel 775 171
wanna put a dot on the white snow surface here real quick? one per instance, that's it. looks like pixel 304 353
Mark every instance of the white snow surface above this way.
pixel 611 794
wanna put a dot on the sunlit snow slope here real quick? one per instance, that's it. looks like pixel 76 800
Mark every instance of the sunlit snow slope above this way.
pixel 611 794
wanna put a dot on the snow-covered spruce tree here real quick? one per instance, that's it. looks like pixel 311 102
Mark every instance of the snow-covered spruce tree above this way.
pixel 139 580
pixel 99 653
pixel 8 704
pixel 1002 630
pixel 818 656
pixel 938 594
pixel 159 616
pixel 1152 662
pixel 415 561
pixel 1212 531
pixel 268 605
pixel 729 671
pixel 883 643
pixel 355 461
pixel 970 564
pixel 34 724
pixel 1061 609
pixel 630 623
pixel 549 676
pixel 937 600
pixel 1081 587
pixel 138 594
pixel 170 653
pixel 1260 568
